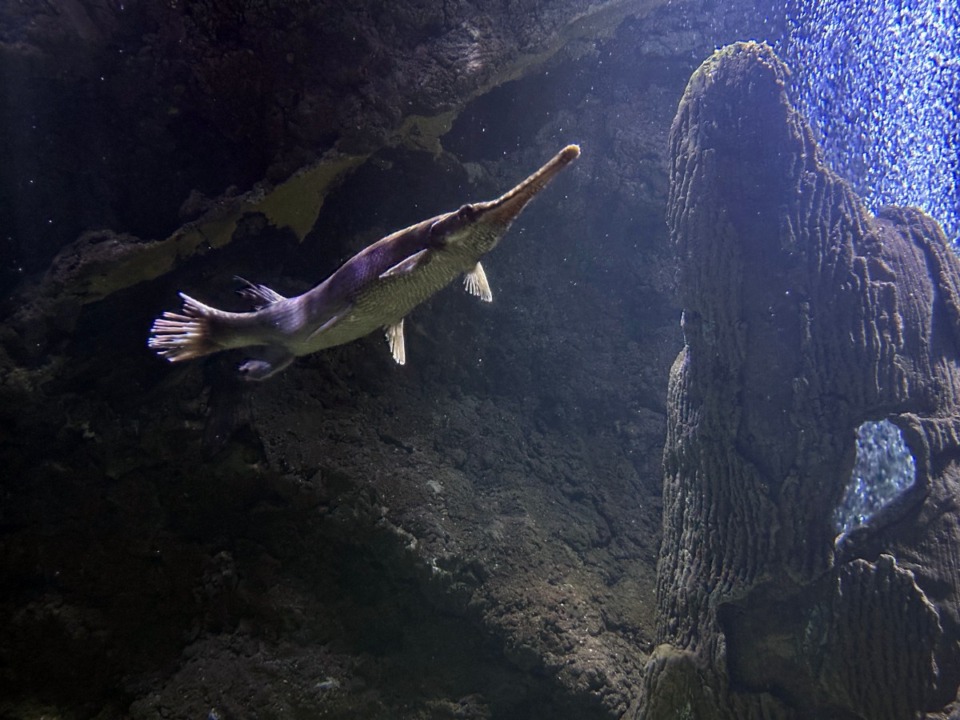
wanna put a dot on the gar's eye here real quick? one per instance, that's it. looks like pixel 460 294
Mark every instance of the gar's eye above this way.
pixel 466 212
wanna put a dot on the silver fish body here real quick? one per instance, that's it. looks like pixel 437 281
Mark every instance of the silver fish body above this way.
pixel 375 289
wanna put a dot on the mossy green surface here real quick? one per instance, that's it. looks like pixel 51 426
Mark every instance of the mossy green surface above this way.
pixel 100 264
pixel 296 203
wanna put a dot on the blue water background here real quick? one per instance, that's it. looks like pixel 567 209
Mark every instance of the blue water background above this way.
pixel 880 83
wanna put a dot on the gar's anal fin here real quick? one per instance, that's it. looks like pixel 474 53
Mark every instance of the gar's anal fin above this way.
pixel 267 361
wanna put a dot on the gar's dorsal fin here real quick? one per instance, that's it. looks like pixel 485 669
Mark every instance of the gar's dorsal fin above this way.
pixel 260 295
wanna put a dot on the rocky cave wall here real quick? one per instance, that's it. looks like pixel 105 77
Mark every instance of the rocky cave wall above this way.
pixel 471 535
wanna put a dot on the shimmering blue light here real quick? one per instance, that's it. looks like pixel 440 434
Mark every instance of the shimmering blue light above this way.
pixel 884 468
pixel 880 82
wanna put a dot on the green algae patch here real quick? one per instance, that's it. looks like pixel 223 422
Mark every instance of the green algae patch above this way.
pixel 423 132
pixel 101 263
pixel 215 233
pixel 296 203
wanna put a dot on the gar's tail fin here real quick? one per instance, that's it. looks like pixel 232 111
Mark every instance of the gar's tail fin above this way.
pixel 185 335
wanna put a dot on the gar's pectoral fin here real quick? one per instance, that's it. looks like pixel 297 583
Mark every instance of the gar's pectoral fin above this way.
pixel 395 340
pixel 476 283
pixel 407 265
pixel 334 319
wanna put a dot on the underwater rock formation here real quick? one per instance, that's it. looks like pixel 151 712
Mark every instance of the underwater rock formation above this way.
pixel 804 315
pixel 239 92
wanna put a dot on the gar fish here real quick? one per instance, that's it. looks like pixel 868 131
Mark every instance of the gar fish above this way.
pixel 376 288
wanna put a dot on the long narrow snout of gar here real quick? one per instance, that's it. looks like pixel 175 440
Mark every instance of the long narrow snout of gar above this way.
pixel 506 207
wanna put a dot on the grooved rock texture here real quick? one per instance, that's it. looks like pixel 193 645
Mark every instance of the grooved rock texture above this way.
pixel 804 315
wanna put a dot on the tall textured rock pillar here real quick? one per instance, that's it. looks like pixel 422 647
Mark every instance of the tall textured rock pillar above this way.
pixel 804 316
